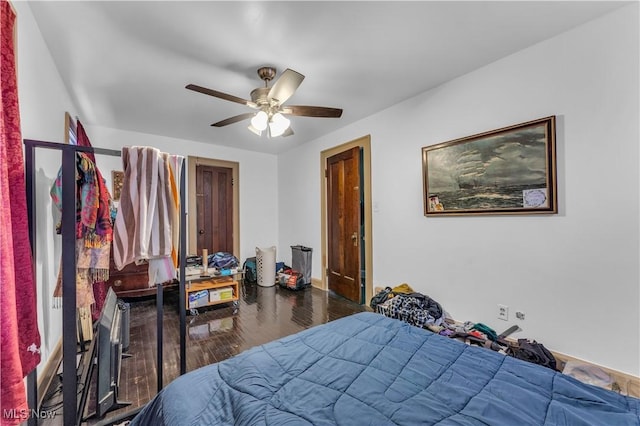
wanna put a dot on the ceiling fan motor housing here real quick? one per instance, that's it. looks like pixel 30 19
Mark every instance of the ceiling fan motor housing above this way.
pixel 266 73
pixel 260 97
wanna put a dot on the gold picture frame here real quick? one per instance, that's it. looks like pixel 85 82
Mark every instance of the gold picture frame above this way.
pixel 511 170
pixel 117 179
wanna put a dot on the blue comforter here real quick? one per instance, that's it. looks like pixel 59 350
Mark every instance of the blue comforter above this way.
pixel 368 369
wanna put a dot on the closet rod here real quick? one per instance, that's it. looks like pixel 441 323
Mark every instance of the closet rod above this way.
pixel 30 143
pixel 72 414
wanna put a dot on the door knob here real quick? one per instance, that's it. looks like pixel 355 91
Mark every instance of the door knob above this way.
pixel 354 238
pixel 201 231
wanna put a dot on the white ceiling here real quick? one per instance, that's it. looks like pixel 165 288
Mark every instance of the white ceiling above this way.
pixel 126 63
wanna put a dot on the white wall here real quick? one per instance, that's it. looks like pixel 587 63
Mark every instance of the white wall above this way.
pixel 575 274
pixel 43 101
pixel 258 178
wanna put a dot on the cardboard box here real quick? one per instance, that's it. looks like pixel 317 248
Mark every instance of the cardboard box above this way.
pixel 198 299
pixel 220 294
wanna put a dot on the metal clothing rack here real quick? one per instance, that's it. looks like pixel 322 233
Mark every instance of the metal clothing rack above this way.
pixel 72 412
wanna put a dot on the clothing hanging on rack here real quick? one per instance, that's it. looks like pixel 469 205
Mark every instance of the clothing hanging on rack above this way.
pixel 148 212
pixel 20 338
pixel 69 311
pixel 175 167
pixel 99 287
pixel 94 230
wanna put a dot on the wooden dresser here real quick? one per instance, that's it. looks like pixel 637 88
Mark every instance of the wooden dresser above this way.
pixel 132 280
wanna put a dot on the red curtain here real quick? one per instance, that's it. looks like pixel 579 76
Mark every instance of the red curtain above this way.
pixel 20 344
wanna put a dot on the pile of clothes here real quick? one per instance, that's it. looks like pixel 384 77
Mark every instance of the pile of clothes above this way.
pixel 403 303
pixel 474 333
pixel 417 309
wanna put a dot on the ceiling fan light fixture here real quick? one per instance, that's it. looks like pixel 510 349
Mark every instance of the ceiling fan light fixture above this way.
pixel 279 123
pixel 254 130
pixel 260 121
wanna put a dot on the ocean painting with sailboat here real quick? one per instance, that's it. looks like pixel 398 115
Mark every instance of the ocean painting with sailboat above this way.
pixel 506 171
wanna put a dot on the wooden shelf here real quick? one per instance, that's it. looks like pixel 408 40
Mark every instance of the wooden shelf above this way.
pixel 208 284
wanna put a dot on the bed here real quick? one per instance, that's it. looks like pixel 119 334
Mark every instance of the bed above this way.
pixel 367 369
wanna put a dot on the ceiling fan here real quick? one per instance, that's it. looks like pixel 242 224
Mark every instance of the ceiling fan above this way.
pixel 269 101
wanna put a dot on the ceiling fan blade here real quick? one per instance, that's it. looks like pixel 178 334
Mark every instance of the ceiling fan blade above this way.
pixel 285 85
pixel 220 95
pixel 234 119
pixel 312 111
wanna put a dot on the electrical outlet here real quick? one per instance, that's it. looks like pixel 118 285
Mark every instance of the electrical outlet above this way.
pixel 503 312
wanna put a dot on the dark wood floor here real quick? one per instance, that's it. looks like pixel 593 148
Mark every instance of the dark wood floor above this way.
pixel 217 333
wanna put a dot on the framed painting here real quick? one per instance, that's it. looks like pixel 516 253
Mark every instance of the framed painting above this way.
pixel 511 170
pixel 117 179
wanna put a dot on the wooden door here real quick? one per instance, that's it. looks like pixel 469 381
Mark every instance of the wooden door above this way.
pixel 214 207
pixel 343 224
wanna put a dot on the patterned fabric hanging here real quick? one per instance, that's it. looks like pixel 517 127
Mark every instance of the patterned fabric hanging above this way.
pixel 20 351
pixel 94 230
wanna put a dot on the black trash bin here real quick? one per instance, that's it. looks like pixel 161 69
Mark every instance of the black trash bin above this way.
pixel 301 261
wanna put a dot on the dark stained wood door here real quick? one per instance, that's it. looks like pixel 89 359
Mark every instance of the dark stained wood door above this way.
pixel 344 234
pixel 214 206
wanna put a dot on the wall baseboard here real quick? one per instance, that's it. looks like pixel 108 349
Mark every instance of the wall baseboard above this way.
pixel 317 283
pixel 49 372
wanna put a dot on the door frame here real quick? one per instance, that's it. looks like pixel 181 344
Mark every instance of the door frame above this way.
pixel 192 217
pixel 364 143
